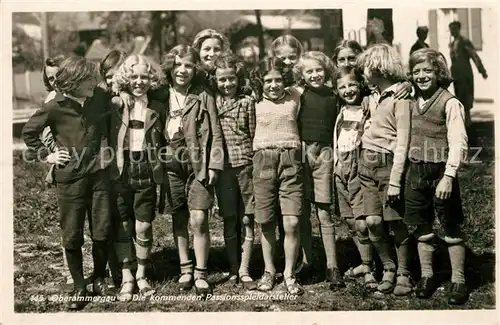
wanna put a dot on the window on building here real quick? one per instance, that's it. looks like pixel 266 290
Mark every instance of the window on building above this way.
pixel 470 18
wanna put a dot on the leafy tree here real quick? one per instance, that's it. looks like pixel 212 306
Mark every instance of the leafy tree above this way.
pixel 26 51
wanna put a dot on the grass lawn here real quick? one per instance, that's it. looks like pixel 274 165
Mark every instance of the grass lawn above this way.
pixel 38 256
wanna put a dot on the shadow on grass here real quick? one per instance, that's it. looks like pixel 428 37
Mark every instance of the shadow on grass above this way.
pixel 482 134
pixel 479 269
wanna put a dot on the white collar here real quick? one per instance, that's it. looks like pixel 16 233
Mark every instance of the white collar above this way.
pixel 141 102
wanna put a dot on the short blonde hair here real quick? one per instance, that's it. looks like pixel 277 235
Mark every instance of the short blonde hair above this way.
pixel 121 79
pixel 382 60
pixel 318 56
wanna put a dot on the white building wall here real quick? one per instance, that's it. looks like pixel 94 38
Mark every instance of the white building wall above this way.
pixel 407 19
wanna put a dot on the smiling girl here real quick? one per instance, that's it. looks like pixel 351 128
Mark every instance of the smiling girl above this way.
pixel 277 174
pixel 349 127
pixel 316 124
pixel 136 136
pixel 234 187
pixel 344 55
pixel 438 145
pixel 195 156
pixel 210 44
pixel 288 49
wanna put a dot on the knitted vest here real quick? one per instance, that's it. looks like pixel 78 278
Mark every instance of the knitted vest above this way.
pixel 276 123
pixel 318 112
pixel 429 141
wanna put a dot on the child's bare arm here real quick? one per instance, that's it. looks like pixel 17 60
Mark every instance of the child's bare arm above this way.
pixel 402 111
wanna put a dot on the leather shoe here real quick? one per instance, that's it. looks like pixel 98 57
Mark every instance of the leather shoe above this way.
pixel 426 287
pixel 458 294
pixel 77 300
pixel 101 288
pixel 335 278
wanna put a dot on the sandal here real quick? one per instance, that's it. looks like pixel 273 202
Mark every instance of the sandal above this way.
pixel 146 290
pixel 187 284
pixel 387 284
pixel 267 282
pixel 371 283
pixel 293 287
pixel 351 274
pixel 201 277
pixel 186 272
pixel 126 291
pixel 247 282
pixel 232 279
pixel 404 285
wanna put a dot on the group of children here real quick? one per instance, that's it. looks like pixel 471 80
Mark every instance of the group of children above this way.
pixel 301 131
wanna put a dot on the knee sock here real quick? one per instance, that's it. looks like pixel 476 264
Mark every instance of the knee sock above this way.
pixel 100 257
pixel 74 258
pixel 143 252
pixel 246 254
pixel 381 244
pixel 425 253
pixel 328 235
pixel 401 238
pixel 457 261
pixel 365 251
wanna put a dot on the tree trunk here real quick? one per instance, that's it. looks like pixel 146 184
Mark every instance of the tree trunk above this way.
pixel 156 33
pixel 379 27
pixel 45 36
pixel 262 46
pixel 173 22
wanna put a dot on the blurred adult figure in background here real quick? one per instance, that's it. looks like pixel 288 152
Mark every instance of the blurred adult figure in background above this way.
pixel 461 52
pixel 422 32
pixel 249 55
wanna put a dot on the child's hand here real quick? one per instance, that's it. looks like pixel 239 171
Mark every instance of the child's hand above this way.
pixel 393 194
pixel 443 190
pixel 403 91
pixel 212 176
pixel 60 157
pixel 128 100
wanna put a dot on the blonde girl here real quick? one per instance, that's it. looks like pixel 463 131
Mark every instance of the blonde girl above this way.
pixel 136 136
pixel 385 146
pixel 316 124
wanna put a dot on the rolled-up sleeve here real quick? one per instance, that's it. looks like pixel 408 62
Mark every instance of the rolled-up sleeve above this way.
pixel 457 136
